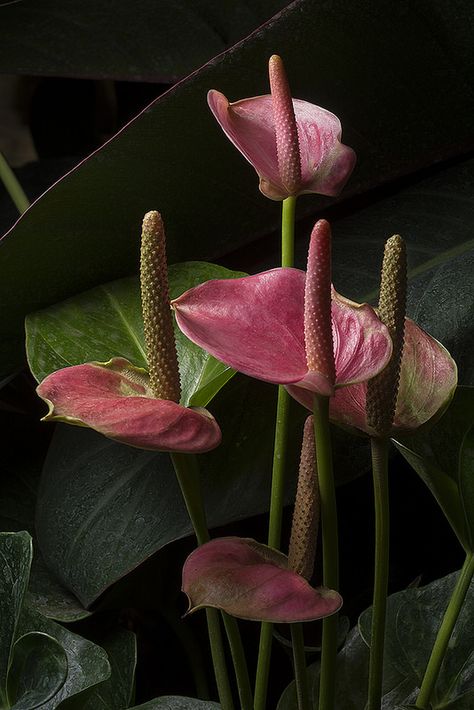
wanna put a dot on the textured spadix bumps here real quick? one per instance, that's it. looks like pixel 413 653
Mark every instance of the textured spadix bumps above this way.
pixel 252 581
pixel 124 402
pixel 294 146
pixel 257 326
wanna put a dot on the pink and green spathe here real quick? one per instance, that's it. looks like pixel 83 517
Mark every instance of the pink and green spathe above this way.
pixel 115 399
pixel 252 581
pixel 294 146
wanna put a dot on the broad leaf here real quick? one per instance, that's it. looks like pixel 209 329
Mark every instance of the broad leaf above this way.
pixel 162 42
pixel 107 322
pixel 18 488
pixel 15 556
pixel 413 619
pixel 117 690
pixel 103 508
pixel 174 702
pixel 443 457
pixel 38 670
pixel 173 157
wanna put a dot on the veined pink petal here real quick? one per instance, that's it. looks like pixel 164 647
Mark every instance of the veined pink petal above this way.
pixel 114 399
pixel 325 162
pixel 428 379
pixel 252 581
pixel 254 324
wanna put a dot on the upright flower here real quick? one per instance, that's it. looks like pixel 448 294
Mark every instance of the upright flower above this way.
pixel 294 146
pixel 256 325
pixel 124 402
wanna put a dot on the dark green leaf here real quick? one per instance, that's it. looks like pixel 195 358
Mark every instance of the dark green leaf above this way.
pixel 413 619
pixel 172 702
pixel 38 670
pixel 84 231
pixel 115 692
pixel 107 322
pixel 87 663
pixel 15 562
pixel 103 508
pixel 158 41
pixel 443 457
pixel 17 512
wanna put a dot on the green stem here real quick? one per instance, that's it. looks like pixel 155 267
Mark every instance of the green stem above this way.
pixel 445 631
pixel 299 661
pixel 240 663
pixel 12 186
pixel 187 473
pixel 327 490
pixel 379 448
pixel 278 470
pixel 288 231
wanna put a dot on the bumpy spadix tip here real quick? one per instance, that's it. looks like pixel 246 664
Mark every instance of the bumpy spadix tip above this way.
pixel 382 390
pixel 286 129
pixel 157 318
pixel 317 306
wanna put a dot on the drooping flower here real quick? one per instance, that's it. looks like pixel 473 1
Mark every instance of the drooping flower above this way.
pixel 115 399
pixel 257 324
pixel 252 581
pixel 294 146
pixel 127 403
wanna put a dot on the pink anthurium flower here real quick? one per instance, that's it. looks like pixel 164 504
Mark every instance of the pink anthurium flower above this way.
pixel 257 325
pixel 115 399
pixel 252 581
pixel 428 378
pixel 294 146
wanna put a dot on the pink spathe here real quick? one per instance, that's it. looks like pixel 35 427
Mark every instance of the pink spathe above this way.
pixel 252 581
pixel 325 164
pixel 256 325
pixel 115 399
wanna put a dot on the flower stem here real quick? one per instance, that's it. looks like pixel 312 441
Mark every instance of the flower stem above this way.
pixel 379 448
pixel 187 473
pixel 278 470
pixel 288 231
pixel 12 186
pixel 185 466
pixel 299 661
pixel 445 631
pixel 327 683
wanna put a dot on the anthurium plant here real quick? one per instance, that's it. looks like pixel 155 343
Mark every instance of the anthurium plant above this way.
pixel 175 536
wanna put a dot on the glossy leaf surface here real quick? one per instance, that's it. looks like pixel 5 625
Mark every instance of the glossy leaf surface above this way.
pixel 72 238
pixel 413 618
pixel 107 322
pixel 443 457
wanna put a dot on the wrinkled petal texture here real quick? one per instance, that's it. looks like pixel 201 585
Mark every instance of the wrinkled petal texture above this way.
pixel 112 399
pixel 325 162
pixel 256 325
pixel 428 379
pixel 252 581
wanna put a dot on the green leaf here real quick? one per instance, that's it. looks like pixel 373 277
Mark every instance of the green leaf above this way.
pixel 107 322
pixel 162 42
pixel 84 230
pixel 18 487
pixel 435 217
pixel 443 458
pixel 15 561
pixel 87 663
pixel 174 702
pixel 38 670
pixel 117 690
pixel 103 508
pixel 413 619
